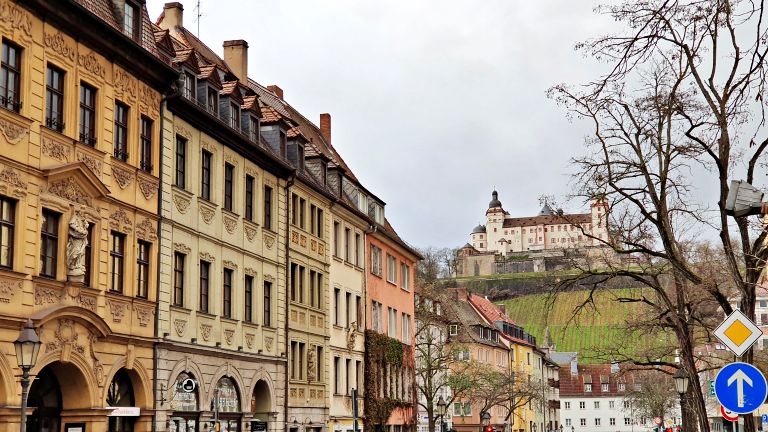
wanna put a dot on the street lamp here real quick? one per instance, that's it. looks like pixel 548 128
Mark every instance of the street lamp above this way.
pixel 534 427
pixel 441 412
pixel 681 385
pixel 27 347
pixel 485 418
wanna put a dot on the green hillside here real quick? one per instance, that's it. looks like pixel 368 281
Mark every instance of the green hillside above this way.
pixel 593 332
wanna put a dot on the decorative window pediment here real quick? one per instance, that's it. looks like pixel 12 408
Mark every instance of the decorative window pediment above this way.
pixel 75 182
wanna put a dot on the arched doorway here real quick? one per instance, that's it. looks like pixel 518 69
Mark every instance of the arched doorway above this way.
pixel 184 403
pixel 45 402
pixel 120 394
pixel 261 401
pixel 226 404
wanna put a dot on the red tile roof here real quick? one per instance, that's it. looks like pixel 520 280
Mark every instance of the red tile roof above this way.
pixel 573 385
pixel 490 311
pixel 579 218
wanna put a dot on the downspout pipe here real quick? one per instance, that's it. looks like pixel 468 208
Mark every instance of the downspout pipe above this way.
pixel 287 189
pixel 155 358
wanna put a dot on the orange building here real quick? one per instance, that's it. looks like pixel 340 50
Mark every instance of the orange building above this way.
pixel 390 399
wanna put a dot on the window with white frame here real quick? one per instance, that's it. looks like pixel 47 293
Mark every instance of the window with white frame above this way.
pixel 604 387
pixel 391 269
pixel 568 406
pixel 406 328
pixel 453 329
pixel 375 260
pixel 583 422
pixel 582 405
pixel 612 421
pixel 405 277
pixel 392 323
pixel 567 422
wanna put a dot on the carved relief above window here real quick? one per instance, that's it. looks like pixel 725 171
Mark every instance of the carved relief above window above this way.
pixel 123 177
pixel 13 132
pixel 148 187
pixel 119 221
pixel 146 230
pixel 92 64
pixel 58 44
pixel 15 18
pixel 55 149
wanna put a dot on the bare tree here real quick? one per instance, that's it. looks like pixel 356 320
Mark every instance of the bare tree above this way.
pixel 653 394
pixel 507 388
pixel 683 105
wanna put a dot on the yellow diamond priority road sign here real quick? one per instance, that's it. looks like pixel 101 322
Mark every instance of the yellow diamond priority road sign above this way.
pixel 738 332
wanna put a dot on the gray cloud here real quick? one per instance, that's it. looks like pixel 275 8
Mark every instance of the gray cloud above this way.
pixel 433 102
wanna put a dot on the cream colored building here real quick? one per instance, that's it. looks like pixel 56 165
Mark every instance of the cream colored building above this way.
pixel 222 353
pixel 79 146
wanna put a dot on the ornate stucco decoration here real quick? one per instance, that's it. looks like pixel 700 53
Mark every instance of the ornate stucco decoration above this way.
pixel 269 241
pixel 55 149
pixel 91 162
pixel 65 338
pixel 119 221
pixel 250 232
pixel 8 288
pixel 181 247
pixel 46 295
pixel 146 230
pixel 98 368
pixel 13 132
pixel 91 64
pixel 295 237
pixel 15 17
pixel 181 130
pixel 351 336
pixel 313 245
pixel 269 278
pixel 229 264
pixel 205 331
pixel 77 241
pixel 268 343
pixel 303 241
pixel 87 302
pixel 117 310
pixel 228 336
pixel 149 100
pixel 249 337
pixel 11 183
pixel 148 187
pixel 205 256
pixel 251 172
pixel 230 158
pixel 230 223
pixel 59 45
pixel 250 271
pixel 269 182
pixel 123 177
pixel 69 189
pixel 143 313
pixel 321 249
pixel 179 325
pixel 182 203
pixel 208 146
pixel 125 84
pixel 207 213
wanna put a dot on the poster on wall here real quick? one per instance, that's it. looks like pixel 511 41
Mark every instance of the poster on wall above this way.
pixel 185 393
pixel 74 427
pixel 227 397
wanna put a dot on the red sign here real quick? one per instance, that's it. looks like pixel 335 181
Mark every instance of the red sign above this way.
pixel 728 415
pixel 657 420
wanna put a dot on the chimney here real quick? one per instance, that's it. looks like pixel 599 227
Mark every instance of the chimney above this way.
pixel 325 126
pixel 276 90
pixel 173 16
pixel 236 57
pixel 502 308
pixel 574 365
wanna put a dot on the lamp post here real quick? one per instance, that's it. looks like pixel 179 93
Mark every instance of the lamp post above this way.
pixel 485 418
pixel 441 412
pixel 681 385
pixel 27 347
pixel 534 427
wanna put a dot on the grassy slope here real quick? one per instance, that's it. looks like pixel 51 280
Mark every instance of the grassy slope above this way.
pixel 590 332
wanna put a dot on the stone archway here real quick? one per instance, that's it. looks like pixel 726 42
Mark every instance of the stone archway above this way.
pixel 261 401
pixel 59 388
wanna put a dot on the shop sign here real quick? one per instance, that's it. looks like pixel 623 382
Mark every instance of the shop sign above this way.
pixel 124 412
pixel 185 394
pixel 227 399
pixel 258 426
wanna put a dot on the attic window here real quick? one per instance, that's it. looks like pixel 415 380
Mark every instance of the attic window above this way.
pixel 188 82
pixel 253 129
pixel 453 329
pixel 234 116
pixel 300 157
pixel 213 101
pixel 131 23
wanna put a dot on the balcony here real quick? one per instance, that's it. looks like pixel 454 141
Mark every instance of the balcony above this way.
pixel 553 383
pixel 553 404
pixel 10 103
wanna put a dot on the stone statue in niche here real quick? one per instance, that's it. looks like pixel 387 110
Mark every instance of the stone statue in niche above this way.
pixel 311 366
pixel 76 244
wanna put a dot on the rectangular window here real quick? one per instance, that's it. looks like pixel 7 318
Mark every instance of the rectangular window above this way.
pixel 213 101
pixel 234 116
pixel 337 375
pixel 347 244
pixel 597 405
pixel 253 129
pixel 302 353
pixel 587 388
pixel 348 309
pixel 267 207
pixel 604 388
pixel 117 256
pixel 358 375
pixel 358 313
pixel 319 364
pixel 583 422
pixel 189 86
pixel 597 422
pixel 392 323
pixel 357 249
pixel 302 213
pixel 205 280
pixel 87 114
pixel 142 264
pixel 131 23
pixel 267 304
pixel 54 98
pixel 611 404
pixel 121 131
pixel 205 175
pixel 391 269
pixel 627 421
pixel 336 305
pixel 567 422
pixel 294 353
pixel 375 260
pixel 7 229
pixel 336 239
pixel 406 328
pixel 294 209
pixel 178 279
pixel 10 77
pixel 567 405
pixel 226 304
pixel 181 161
pixel 229 174
pixel 582 405
pixel 145 154
pixel 453 330
pixel 294 281
pixel 612 421
pixel 349 377
pixel 249 198
pixel 376 316
pixel 405 277
pixel 319 220
pixel 248 300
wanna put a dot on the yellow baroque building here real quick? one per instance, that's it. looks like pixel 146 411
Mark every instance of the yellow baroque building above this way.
pixel 80 93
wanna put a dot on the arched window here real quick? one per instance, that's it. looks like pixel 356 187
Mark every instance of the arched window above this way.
pixel 120 394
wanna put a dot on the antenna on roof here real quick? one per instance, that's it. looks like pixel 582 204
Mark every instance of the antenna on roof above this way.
pixel 199 14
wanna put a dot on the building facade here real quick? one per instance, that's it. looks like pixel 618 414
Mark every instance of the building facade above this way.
pixel 223 287
pixel 79 149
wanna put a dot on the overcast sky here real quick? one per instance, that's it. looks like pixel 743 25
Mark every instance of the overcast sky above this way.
pixel 434 103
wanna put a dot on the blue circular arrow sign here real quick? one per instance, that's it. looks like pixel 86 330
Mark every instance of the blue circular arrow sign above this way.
pixel 740 387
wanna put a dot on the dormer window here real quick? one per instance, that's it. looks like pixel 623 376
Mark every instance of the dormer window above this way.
pixel 131 23
pixel 188 85
pixel 234 116
pixel 324 171
pixel 212 103
pixel 253 128
pixel 300 157
pixel 283 142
